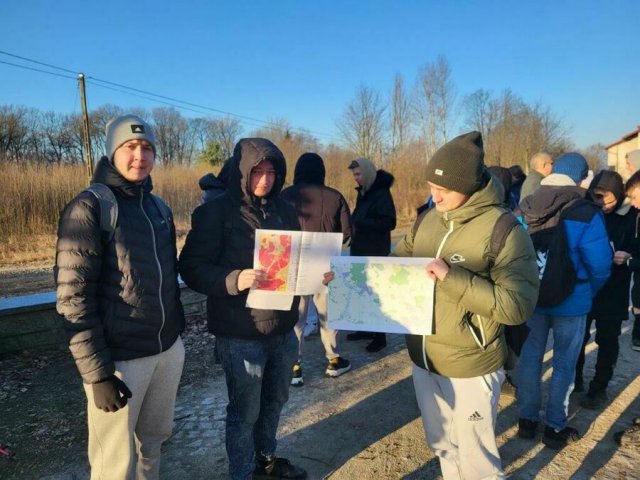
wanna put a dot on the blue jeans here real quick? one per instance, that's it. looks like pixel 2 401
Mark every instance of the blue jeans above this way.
pixel 568 334
pixel 258 374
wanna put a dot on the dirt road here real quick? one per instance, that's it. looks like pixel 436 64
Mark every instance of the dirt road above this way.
pixel 363 425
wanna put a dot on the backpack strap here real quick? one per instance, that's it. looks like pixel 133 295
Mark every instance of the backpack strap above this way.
pixel 108 208
pixel 503 226
pixel 423 213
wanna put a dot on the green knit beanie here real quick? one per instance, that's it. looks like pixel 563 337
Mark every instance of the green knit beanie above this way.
pixel 459 164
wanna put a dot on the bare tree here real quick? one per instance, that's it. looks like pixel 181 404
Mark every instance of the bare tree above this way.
pixel 434 103
pixel 15 132
pixel 362 125
pixel 479 114
pixel 58 137
pixel 513 130
pixel 400 118
pixel 174 139
pixel 224 131
pixel 596 156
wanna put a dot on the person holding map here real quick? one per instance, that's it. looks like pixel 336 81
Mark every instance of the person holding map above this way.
pixel 373 220
pixel 320 209
pixel 458 369
pixel 257 347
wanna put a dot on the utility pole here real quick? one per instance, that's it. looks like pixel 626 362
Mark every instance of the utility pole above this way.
pixel 85 127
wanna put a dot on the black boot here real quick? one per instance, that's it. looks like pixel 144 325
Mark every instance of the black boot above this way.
pixel 378 343
pixel 359 336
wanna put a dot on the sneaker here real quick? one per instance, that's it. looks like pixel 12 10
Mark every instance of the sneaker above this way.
pixel 296 379
pixel 527 428
pixel 561 439
pixel 628 437
pixel 377 344
pixel 635 344
pixel 278 468
pixel 359 336
pixel 337 366
pixel 594 400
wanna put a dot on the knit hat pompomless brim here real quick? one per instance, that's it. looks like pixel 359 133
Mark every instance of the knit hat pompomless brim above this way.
pixel 124 128
pixel 459 164
pixel 573 165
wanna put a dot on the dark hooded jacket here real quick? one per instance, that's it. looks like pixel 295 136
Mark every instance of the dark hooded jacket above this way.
pixel 612 301
pixel 213 186
pixel 120 297
pixel 374 218
pixel 221 243
pixel 320 208
pixel 587 241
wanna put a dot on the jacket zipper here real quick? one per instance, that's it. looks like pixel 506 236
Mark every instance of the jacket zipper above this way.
pixel 440 247
pixel 155 255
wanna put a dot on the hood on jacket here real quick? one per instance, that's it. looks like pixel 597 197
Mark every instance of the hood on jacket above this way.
pixel 558 180
pixel 367 172
pixel 547 201
pixel 504 177
pixel 491 194
pixel 108 174
pixel 211 182
pixel 248 153
pixel 382 180
pixel 609 181
pixel 309 169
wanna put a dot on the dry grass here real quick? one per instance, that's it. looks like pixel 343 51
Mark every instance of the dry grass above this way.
pixel 33 195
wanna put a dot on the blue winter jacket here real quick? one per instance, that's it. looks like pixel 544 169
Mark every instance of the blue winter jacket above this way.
pixel 587 240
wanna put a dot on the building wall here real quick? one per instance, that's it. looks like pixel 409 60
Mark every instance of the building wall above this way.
pixel 616 155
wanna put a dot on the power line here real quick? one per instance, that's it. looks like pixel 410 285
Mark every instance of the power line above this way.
pixel 39 63
pixel 252 124
pixel 37 70
pixel 251 121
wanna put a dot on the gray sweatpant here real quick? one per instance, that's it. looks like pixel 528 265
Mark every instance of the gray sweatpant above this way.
pixel 459 418
pixel 126 444
pixel 328 336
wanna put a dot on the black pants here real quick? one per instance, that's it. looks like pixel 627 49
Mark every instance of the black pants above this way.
pixel 607 332
pixel 636 327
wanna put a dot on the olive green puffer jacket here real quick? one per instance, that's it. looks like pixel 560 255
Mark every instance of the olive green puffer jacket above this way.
pixel 472 303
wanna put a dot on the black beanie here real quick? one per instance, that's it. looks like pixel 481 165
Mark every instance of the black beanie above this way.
pixel 459 164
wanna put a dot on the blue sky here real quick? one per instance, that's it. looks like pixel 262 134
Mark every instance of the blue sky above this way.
pixel 304 60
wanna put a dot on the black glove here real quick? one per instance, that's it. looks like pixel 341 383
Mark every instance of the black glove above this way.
pixel 111 394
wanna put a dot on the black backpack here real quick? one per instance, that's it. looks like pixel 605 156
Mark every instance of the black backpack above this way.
pixel 556 271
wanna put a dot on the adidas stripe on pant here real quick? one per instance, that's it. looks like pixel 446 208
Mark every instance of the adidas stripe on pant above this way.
pixel 459 418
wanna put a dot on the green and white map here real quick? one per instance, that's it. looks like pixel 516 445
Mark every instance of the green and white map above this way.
pixel 381 294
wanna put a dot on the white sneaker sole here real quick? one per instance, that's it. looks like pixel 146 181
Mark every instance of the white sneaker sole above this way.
pixel 338 372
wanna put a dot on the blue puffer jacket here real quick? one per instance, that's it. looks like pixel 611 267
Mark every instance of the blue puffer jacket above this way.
pixel 587 240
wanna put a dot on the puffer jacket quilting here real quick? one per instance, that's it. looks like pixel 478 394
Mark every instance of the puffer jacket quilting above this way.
pixel 120 299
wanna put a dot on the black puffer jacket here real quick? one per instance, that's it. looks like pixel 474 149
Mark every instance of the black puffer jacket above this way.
pixel 320 208
pixel 374 217
pixel 221 243
pixel 120 298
